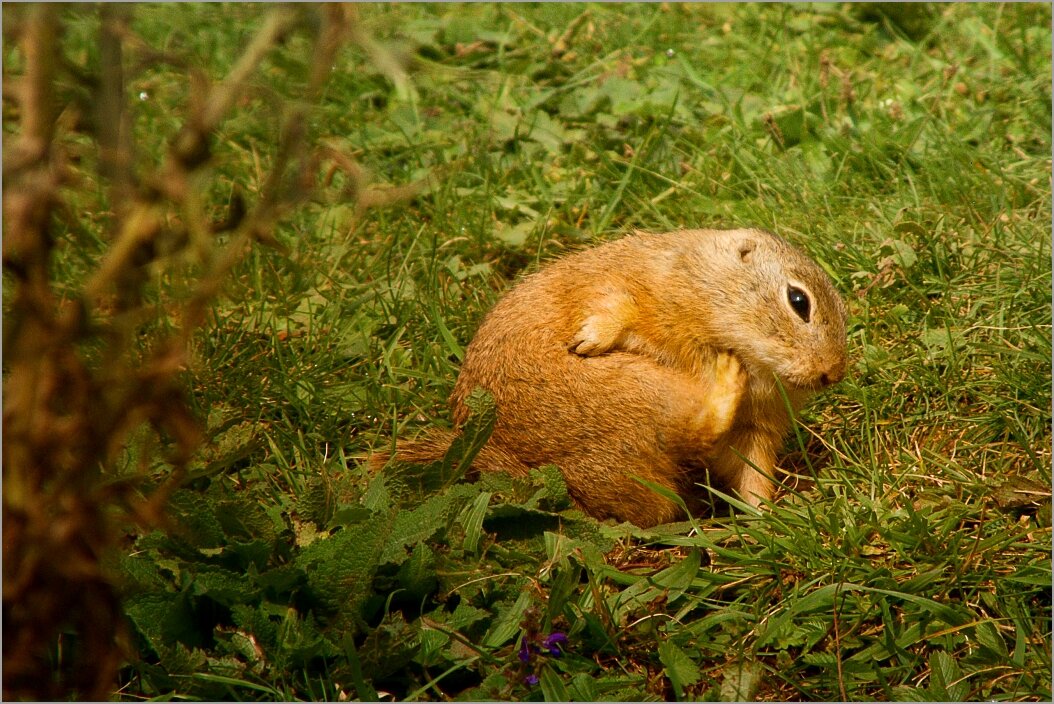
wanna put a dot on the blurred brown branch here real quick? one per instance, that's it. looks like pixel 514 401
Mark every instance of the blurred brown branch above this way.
pixel 69 413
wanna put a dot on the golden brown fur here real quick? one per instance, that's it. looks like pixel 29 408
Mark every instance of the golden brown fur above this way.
pixel 654 355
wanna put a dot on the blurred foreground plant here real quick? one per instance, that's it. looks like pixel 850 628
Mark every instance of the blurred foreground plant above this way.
pixel 93 366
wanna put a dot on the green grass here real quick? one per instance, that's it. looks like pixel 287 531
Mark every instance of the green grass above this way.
pixel 910 155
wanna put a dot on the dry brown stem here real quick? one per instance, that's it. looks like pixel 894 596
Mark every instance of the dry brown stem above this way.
pixel 69 414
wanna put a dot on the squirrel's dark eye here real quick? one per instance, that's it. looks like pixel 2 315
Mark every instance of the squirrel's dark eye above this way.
pixel 799 301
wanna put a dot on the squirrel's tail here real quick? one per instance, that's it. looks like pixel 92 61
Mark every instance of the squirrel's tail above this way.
pixel 433 446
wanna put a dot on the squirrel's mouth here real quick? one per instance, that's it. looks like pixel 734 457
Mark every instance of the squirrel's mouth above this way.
pixel 793 383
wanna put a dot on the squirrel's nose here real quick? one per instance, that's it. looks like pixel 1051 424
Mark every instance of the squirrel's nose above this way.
pixel 833 375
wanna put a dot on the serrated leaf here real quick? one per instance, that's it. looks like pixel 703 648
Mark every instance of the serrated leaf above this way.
pixel 221 586
pixel 148 613
pixel 241 518
pixel 197 519
pixel 164 619
pixel 300 641
pixel 988 636
pixel 433 643
pixel 178 659
pixel 583 688
pixel 318 502
pixel 556 497
pixel 679 668
pixel 340 567
pixel 259 623
pixel 901 252
pixel 421 523
pixel 465 615
pixel 417 574
pixel 945 676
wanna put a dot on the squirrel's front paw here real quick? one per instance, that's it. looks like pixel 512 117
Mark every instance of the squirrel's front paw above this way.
pixel 729 384
pixel 729 373
pixel 597 335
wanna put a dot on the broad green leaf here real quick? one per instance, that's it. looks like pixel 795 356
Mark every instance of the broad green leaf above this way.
pixel 741 681
pixel 988 636
pixel 946 683
pixel 340 567
pixel 507 623
pixel 552 686
pixel 679 668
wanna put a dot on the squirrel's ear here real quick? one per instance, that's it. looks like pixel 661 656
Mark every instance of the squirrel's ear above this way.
pixel 746 247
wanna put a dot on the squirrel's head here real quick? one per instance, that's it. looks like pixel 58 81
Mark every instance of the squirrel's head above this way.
pixel 776 309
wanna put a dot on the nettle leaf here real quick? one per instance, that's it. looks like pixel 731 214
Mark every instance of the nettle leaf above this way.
pixel 432 645
pixel 463 616
pixel 390 647
pixel 417 574
pixel 148 613
pixel 164 619
pixel 222 586
pixel 141 571
pixel 181 660
pixel 420 524
pixel 555 496
pixel 300 641
pixel 242 518
pixel 261 623
pixel 197 520
pixel 255 553
pixel 378 495
pixel 340 567
pixel 318 502
pixel 543 490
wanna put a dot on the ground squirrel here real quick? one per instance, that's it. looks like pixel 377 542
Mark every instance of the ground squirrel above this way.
pixel 654 355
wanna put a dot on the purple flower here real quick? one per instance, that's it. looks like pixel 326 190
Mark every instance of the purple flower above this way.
pixel 525 650
pixel 552 643
pixel 531 680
